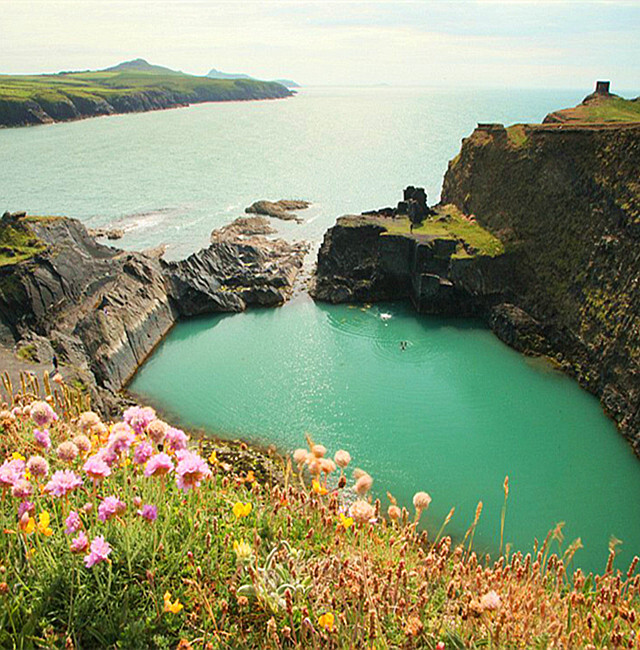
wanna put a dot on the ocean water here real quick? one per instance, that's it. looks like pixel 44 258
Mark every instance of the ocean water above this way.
pixel 452 414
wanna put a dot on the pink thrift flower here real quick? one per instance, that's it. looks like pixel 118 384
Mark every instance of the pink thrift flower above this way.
pixel 98 552
pixel 62 482
pixel 21 489
pixel 121 438
pixel 67 451
pixel 80 543
pixel 191 470
pixel 72 523
pixel 42 438
pixel 38 466
pixel 25 506
pixel 96 468
pixel 142 452
pixel 148 512
pixel 138 417
pixel 82 443
pixel 158 465
pixel 42 414
pixel 176 439
pixel 110 507
pixel 10 472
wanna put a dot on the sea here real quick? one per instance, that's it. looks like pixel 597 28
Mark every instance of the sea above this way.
pixel 452 414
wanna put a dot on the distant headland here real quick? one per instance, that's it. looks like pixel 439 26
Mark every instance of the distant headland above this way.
pixel 129 87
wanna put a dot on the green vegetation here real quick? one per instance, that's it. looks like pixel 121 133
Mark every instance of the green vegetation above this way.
pixel 76 94
pixel 517 135
pixel 17 242
pixel 108 542
pixel 603 109
pixel 450 223
pixel 27 352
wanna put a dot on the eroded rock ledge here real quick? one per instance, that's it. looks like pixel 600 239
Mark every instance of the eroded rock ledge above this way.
pixel 101 310
pixel 565 204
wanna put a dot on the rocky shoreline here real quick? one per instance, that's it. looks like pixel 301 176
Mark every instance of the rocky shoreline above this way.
pixel 98 312
pixel 565 204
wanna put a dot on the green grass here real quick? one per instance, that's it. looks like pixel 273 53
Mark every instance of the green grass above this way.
pixel 449 223
pixel 18 243
pixel 107 85
pixel 603 110
pixel 517 135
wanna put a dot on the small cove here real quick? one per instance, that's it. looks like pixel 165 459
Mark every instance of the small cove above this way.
pixel 452 414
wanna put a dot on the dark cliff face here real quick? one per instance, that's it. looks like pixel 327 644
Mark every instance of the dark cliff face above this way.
pixel 566 202
pixel 31 112
pixel 360 261
pixel 101 311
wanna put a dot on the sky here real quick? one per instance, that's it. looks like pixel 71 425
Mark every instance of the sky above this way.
pixel 517 43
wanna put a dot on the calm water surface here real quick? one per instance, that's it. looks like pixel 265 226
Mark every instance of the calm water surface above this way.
pixel 452 414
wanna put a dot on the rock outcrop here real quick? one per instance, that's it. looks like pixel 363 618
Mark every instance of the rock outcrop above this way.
pixel 278 209
pixel 565 202
pixel 101 311
pixel 241 267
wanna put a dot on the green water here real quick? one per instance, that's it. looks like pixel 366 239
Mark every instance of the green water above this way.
pixel 452 414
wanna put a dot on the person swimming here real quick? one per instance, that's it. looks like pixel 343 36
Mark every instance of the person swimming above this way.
pixel 403 345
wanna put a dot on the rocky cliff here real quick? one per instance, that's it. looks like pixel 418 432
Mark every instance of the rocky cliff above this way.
pixel 100 311
pixel 564 201
pixel 42 99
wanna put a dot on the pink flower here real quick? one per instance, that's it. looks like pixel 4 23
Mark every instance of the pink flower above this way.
pixel 191 470
pixel 176 439
pixel 21 489
pixel 96 468
pixel 99 551
pixel 42 438
pixel 10 472
pixel 138 417
pixel 121 438
pixel 72 523
pixel 42 414
pixel 25 506
pixel 80 543
pixel 62 482
pixel 142 452
pixel 38 466
pixel 67 451
pixel 110 507
pixel 148 512
pixel 82 443
pixel 158 465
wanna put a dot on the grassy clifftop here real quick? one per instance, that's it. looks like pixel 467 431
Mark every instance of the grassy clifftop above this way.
pixel 38 99
pixel 129 535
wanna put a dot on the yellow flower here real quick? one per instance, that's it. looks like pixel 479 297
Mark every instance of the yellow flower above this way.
pixel 43 524
pixel 27 525
pixel 317 488
pixel 250 478
pixel 17 456
pixel 174 607
pixel 242 550
pixel 213 459
pixel 346 522
pixel 241 510
pixel 27 475
pixel 327 621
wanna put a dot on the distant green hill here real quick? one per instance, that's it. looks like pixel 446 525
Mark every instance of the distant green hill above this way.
pixel 140 65
pixel 218 74
pixel 132 86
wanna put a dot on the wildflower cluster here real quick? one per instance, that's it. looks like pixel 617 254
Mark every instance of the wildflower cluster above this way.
pixel 128 534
